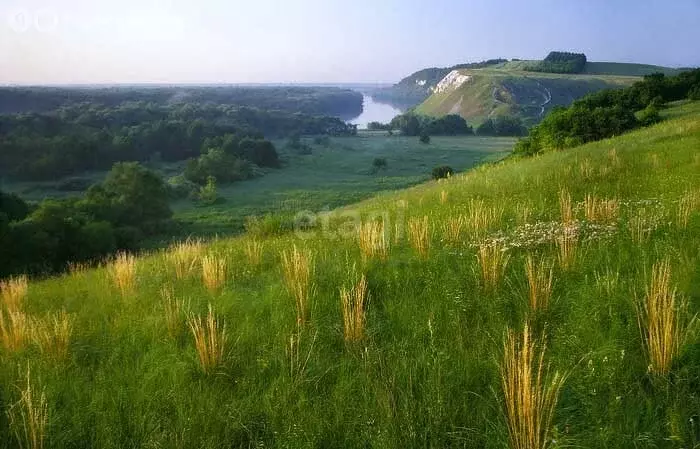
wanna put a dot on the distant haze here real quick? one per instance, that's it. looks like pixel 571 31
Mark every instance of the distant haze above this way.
pixel 323 41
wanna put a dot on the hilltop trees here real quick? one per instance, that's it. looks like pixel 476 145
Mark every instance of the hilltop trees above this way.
pixel 561 62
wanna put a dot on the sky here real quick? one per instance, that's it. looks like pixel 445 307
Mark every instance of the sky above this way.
pixel 323 41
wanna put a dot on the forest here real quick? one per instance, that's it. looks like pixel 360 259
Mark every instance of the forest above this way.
pixel 307 100
pixel 74 139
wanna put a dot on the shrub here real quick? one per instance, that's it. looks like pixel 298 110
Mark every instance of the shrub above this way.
pixel 649 115
pixel 424 138
pixel 269 225
pixel 180 187
pixel 207 194
pixel 694 93
pixel 502 126
pixel 379 163
pixel 442 172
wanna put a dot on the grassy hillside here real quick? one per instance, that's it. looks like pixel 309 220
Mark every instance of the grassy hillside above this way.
pixel 508 90
pixel 602 68
pixel 627 69
pixel 109 357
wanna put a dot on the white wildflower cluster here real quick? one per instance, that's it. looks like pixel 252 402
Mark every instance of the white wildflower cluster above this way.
pixel 531 235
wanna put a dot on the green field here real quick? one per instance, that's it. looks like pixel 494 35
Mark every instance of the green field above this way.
pixel 331 176
pixel 421 364
pixel 336 175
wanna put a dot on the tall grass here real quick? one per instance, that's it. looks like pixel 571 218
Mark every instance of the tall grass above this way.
pixel 254 252
pixel 373 240
pixel 419 235
pixel 530 394
pixel 123 272
pixel 184 255
pixel 586 168
pixel 453 229
pixel 662 320
pixel 15 330
pixel 210 340
pixel 614 158
pixel 29 417
pixel 213 272
pixel 354 305
pixel 13 292
pixel 298 268
pixel 539 278
pixel 444 195
pixel 600 210
pixel 686 205
pixel 53 334
pixel 482 217
pixel 565 207
pixel 493 261
pixel 640 226
pixel 174 311
pixel 567 244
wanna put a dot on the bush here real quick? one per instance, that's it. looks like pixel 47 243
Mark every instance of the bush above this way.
pixel 269 225
pixel 442 172
pixel 379 163
pixel 694 93
pixel 207 194
pixel 502 126
pixel 217 163
pixel 180 187
pixel 424 138
pixel 13 207
pixel 649 115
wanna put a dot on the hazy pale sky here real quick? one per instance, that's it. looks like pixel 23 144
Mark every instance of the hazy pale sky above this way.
pixel 239 41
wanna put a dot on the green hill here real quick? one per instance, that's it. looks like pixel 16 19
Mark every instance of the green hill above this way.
pixel 478 94
pixel 499 87
pixel 247 343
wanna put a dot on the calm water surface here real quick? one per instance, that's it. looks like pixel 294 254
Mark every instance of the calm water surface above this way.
pixel 374 112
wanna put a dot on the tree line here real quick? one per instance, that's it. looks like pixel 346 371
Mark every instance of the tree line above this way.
pixel 329 101
pixel 560 62
pixel 609 112
pixel 412 124
pixel 74 139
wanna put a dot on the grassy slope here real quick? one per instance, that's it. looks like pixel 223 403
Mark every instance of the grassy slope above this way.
pixel 625 69
pixel 523 91
pixel 427 374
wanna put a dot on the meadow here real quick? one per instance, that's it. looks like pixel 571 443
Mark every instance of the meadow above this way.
pixel 528 303
pixel 335 175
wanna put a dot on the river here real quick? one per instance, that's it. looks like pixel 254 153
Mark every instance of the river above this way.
pixel 374 112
